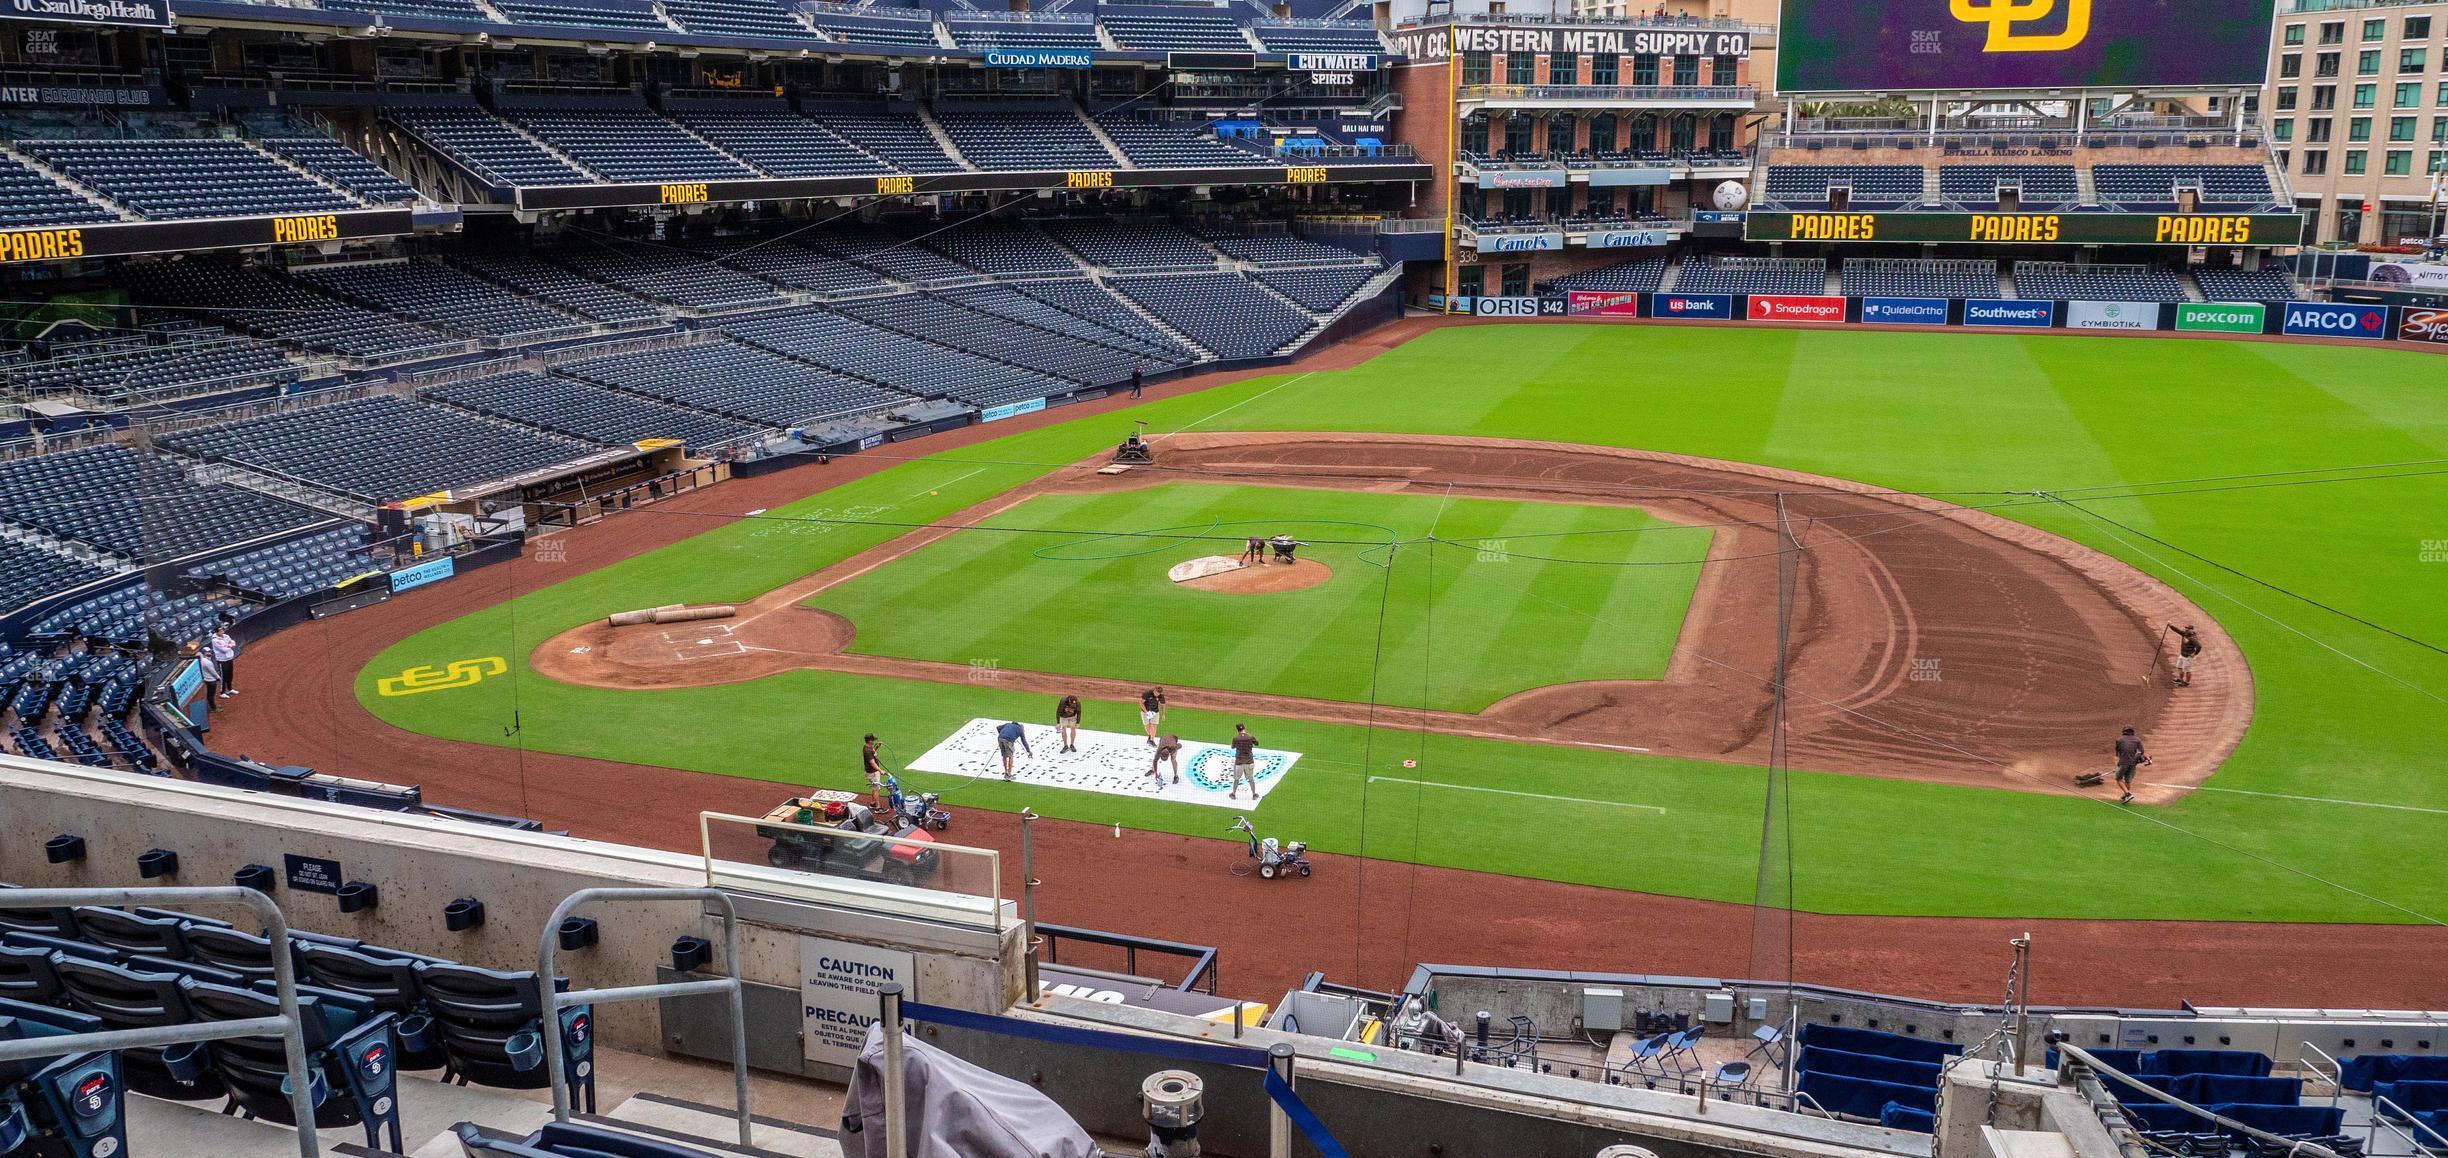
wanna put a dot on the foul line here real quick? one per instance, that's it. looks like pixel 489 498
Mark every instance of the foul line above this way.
pixel 1510 792
pixel 1242 403
pixel 2325 800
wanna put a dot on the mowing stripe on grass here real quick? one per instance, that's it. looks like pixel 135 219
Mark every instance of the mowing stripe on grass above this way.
pixel 1510 792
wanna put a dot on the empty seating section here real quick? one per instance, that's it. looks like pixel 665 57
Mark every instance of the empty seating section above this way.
pixel 2108 283
pixel 550 283
pixel 29 198
pixel 1155 145
pixel 2361 1072
pixel 859 27
pixel 891 254
pixel 1152 246
pixel 166 178
pixel 366 1013
pixel 672 275
pixel 1866 1073
pixel 727 378
pixel 466 11
pixel 631 145
pixel 1220 311
pixel 353 448
pixel 1017 343
pixel 906 364
pixel 1087 299
pixel 126 616
pixel 1752 275
pixel 1280 249
pixel 301 566
pixel 2035 186
pixel 136 506
pixel 28 573
pixel 278 308
pixel 338 164
pixel 1640 275
pixel 1898 277
pixel 2155 186
pixel 760 18
pixel 1810 186
pixel 901 139
pixel 1154 29
pixel 487 146
pixel 1317 290
pixel 2270 283
pixel 567 406
pixel 635 15
pixel 984 32
pixel 1113 326
pixel 435 293
pixel 1001 247
pixel 783 143
pixel 1348 36
pixel 1025 139
pixel 785 262
pixel 155 366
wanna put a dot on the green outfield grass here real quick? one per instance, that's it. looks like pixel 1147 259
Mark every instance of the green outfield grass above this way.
pixel 2338 777
pixel 1076 584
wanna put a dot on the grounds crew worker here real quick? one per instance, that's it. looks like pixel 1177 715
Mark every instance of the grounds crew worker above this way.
pixel 873 765
pixel 2128 754
pixel 1245 762
pixel 2188 646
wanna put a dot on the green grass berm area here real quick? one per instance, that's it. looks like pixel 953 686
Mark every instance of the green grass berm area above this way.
pixel 2339 776
pixel 1076 584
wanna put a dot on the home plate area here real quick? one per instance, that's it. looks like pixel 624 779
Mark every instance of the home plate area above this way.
pixel 1108 762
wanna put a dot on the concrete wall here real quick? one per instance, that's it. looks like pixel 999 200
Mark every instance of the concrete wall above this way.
pixel 420 864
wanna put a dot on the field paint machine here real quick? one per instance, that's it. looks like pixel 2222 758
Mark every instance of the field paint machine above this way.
pixel 915 808
pixel 1273 859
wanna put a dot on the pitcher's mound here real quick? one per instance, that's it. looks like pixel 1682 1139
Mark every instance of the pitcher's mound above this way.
pixel 1229 575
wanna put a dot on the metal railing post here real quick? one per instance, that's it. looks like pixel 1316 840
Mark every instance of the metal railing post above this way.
pixel 733 987
pixel 1028 905
pixel 1279 1124
pixel 289 1025
pixel 896 1092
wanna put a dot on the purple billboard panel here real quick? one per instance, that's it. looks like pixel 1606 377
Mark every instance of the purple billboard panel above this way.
pixel 1903 45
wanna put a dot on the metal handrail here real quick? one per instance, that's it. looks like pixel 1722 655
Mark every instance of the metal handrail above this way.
pixel 2335 1075
pixel 555 1001
pixel 289 1024
pixel 2293 1146
pixel 2413 1142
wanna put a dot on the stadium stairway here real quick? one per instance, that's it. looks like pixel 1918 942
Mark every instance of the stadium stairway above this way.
pixel 1149 316
pixel 62 180
pixel 943 140
pixel 1121 158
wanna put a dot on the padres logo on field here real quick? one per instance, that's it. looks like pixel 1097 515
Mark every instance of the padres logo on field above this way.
pixel 2002 15
pixel 461 673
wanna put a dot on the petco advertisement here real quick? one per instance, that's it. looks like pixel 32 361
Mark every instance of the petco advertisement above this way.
pixel 2420 325
pixel 2112 315
pixel 1796 308
pixel 1709 306
pixel 1597 304
pixel 837 994
pixel 2328 320
pixel 2010 312
pixel 1904 311
pixel 1114 763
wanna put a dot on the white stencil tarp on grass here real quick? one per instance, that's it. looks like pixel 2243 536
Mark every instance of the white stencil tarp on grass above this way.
pixel 1108 762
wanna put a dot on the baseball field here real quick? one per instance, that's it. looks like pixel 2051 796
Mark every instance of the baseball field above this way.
pixel 1543 634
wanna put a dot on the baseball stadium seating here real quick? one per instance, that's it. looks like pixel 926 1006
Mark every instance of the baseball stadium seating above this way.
pixel 1030 138
pixel 1640 275
pixel 293 568
pixel 2107 283
pixel 763 18
pixel 631 145
pixel 1920 277
pixel 1220 311
pixel 349 448
pixel 486 146
pixel 1811 186
pixel 558 287
pixel 445 298
pixel 2154 187
pixel 782 142
pixel 1157 28
pixel 1314 36
pixel 1138 248
pixel 566 406
pixel 1152 144
pixel 136 506
pixel 2270 283
pixel 172 178
pixel 1752 275
pixel 29 198
pixel 992 30
pixel 1977 186
pixel 729 379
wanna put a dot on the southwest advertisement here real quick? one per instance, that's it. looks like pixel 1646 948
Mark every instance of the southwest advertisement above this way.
pixel 1904 45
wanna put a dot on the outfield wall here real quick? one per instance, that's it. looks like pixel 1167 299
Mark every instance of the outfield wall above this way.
pixel 2400 326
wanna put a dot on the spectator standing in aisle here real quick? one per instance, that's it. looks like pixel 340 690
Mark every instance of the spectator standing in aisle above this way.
pixel 222 649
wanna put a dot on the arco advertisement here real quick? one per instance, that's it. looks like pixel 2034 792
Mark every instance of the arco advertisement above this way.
pixel 2331 320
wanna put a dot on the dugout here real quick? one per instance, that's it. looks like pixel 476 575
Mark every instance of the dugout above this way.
pixel 568 494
